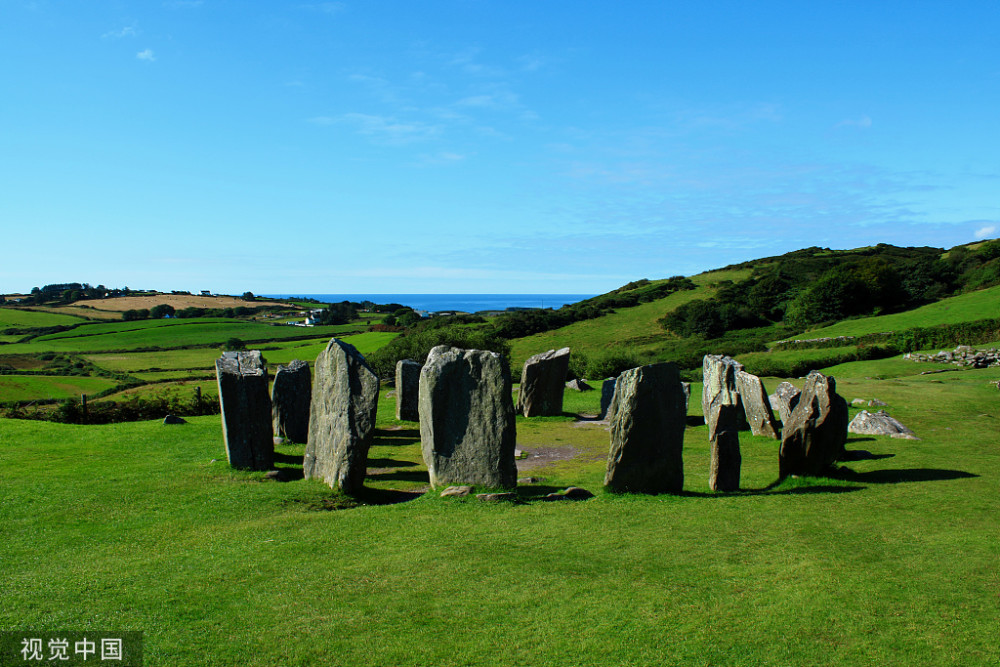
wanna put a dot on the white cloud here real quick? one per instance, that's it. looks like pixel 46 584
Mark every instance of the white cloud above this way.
pixel 127 31
pixel 383 129
pixel 986 232
pixel 863 123
pixel 146 55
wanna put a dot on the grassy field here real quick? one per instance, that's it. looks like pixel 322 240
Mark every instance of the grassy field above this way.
pixel 978 305
pixel 896 561
pixel 635 328
pixel 12 317
pixel 35 387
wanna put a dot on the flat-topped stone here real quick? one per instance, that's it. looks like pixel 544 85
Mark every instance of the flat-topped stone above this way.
pixel 291 396
pixel 543 380
pixel 246 409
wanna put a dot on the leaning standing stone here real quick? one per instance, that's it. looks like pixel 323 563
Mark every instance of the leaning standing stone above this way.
pixel 246 409
pixel 291 395
pixel 816 431
pixel 467 418
pixel 341 418
pixel 647 431
pixel 756 405
pixel 542 383
pixel 407 389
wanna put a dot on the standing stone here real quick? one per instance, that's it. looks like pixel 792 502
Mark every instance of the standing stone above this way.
pixel 291 395
pixel 607 393
pixel 647 431
pixel 724 438
pixel 407 390
pixel 719 388
pixel 341 418
pixel 246 409
pixel 756 405
pixel 542 382
pixel 815 433
pixel 785 398
pixel 467 418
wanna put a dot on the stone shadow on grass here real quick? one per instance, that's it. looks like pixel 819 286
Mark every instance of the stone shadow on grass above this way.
pixel 770 490
pixel 402 475
pixel 900 475
pixel 287 458
pixel 389 463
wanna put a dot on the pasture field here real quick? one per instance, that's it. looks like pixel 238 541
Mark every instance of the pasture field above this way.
pixel 179 333
pixel 893 561
pixel 978 305
pixel 636 327
pixel 35 387
pixel 15 317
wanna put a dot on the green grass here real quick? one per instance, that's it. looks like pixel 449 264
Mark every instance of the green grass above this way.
pixel 41 387
pixel 634 328
pixel 978 305
pixel 134 527
pixel 11 317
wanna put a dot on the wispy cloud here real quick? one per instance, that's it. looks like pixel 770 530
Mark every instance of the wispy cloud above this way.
pixel 127 31
pixel 986 232
pixel 146 55
pixel 383 129
pixel 863 123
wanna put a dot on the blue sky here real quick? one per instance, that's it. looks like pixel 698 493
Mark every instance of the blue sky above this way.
pixel 480 146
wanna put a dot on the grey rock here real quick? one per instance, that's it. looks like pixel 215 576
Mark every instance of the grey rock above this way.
pixel 578 385
pixel 467 418
pixel 875 403
pixel 647 431
pixel 859 401
pixel 756 405
pixel 815 433
pixel 407 390
pixel 719 386
pixel 341 418
pixel 291 396
pixel 497 497
pixel 724 441
pixel 876 423
pixel 607 393
pixel 577 493
pixel 528 480
pixel 542 382
pixel 455 491
pixel 554 496
pixel 246 409
pixel 173 419
pixel 785 398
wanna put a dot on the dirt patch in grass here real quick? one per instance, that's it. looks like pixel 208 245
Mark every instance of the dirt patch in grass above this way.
pixel 22 362
pixel 540 456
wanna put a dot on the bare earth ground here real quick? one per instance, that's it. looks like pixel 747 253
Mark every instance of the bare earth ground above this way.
pixel 178 301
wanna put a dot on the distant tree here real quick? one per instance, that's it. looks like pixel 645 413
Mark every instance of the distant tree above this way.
pixel 161 311
pixel 132 315
pixel 248 296
pixel 234 344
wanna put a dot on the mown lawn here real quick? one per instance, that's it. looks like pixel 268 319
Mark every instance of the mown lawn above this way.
pixel 894 562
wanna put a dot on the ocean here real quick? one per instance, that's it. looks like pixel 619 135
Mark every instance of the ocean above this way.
pixel 469 303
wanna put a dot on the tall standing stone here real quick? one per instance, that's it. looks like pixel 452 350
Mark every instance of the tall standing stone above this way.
pixel 785 398
pixel 724 440
pixel 607 393
pixel 467 418
pixel 291 395
pixel 719 386
pixel 407 390
pixel 756 405
pixel 246 409
pixel 341 418
pixel 815 433
pixel 543 380
pixel 647 419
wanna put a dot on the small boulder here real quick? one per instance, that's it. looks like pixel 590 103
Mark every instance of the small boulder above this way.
pixel 578 385
pixel 454 491
pixel 497 497
pixel 877 423
pixel 172 419
pixel 577 493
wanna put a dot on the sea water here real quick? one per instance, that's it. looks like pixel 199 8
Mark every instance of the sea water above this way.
pixel 468 303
